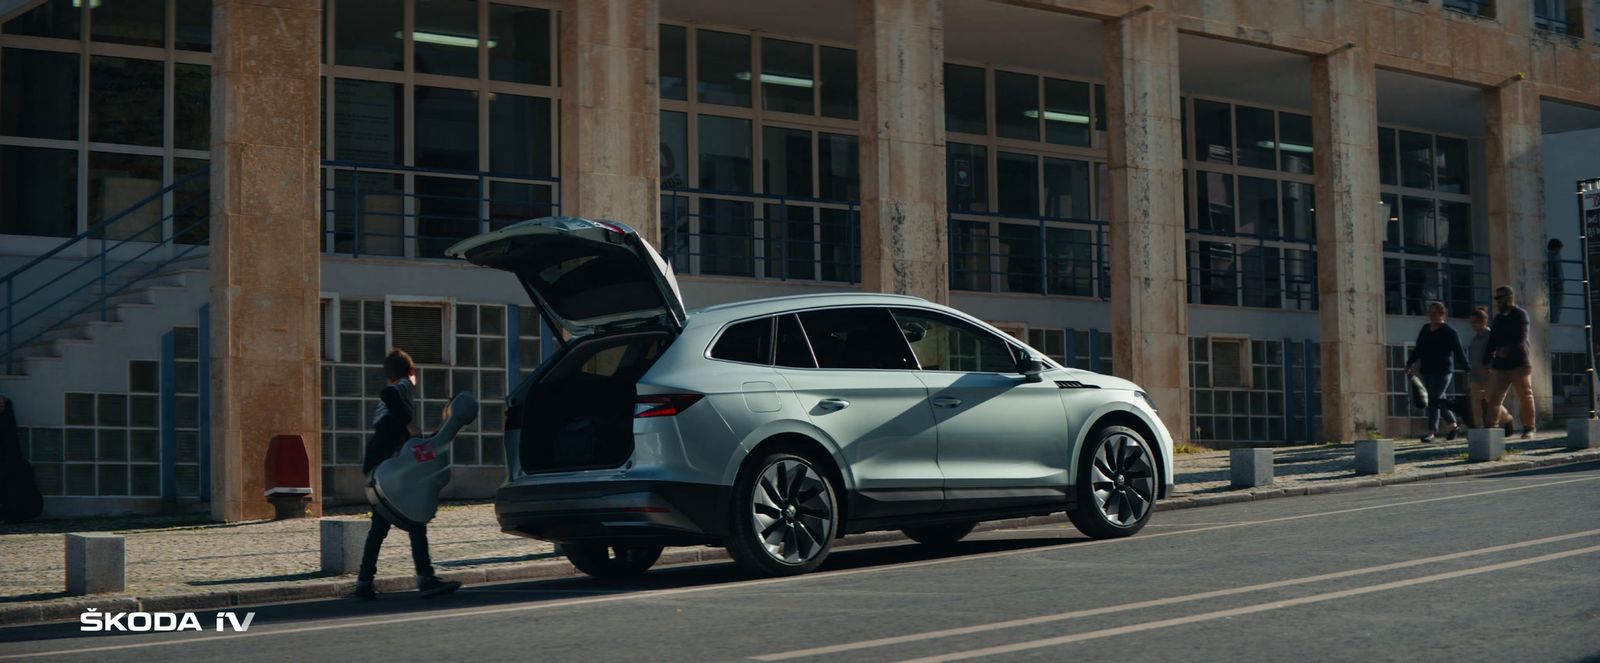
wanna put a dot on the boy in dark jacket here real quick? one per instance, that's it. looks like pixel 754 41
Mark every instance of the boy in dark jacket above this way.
pixel 393 424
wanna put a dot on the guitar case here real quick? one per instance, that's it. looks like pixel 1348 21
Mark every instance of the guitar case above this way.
pixel 19 499
pixel 405 488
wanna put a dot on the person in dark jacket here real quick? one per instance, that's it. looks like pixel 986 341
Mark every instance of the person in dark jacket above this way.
pixel 19 490
pixel 1435 356
pixel 1507 355
pixel 395 422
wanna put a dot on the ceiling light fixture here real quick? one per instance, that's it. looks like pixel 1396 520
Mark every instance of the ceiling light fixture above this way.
pixel 443 40
pixel 1056 116
pixel 776 79
pixel 1287 147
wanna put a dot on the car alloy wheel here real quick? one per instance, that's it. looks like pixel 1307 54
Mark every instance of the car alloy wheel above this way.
pixel 792 510
pixel 1122 479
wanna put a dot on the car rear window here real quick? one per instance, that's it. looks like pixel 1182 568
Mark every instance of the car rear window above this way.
pixel 749 342
pixel 857 338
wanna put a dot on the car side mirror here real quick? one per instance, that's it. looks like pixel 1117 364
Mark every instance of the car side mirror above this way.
pixel 1030 367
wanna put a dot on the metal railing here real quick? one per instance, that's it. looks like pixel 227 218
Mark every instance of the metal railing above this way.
pixel 1474 7
pixel 386 210
pixel 45 294
pixel 1413 277
pixel 763 236
pixel 1252 270
pixel 1566 292
pixel 1044 255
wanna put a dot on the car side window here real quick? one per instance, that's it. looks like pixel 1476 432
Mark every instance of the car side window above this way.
pixel 944 343
pixel 749 342
pixel 856 338
pixel 793 350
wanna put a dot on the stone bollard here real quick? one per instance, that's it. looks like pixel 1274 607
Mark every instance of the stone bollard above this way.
pixel 95 564
pixel 1250 467
pixel 1374 456
pixel 1485 444
pixel 1583 433
pixel 342 541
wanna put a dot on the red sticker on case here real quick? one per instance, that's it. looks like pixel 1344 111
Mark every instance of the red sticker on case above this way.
pixel 423 452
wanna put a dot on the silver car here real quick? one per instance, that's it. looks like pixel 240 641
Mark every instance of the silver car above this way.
pixel 774 427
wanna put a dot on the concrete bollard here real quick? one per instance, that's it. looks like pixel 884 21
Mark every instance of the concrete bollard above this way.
pixel 1485 444
pixel 342 541
pixel 1374 456
pixel 96 564
pixel 1583 433
pixel 1250 467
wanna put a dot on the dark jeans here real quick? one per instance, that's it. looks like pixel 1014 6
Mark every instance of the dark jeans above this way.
pixel 375 536
pixel 1437 384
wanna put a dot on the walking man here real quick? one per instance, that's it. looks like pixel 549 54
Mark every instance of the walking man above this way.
pixel 1507 357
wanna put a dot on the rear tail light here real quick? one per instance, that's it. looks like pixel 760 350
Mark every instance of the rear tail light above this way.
pixel 663 405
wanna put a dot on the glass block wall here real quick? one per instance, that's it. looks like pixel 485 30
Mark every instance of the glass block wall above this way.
pixel 1399 396
pixel 1569 393
pixel 1275 408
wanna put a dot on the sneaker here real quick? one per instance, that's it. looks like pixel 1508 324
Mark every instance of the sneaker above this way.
pixel 1452 434
pixel 1507 428
pixel 1528 432
pixel 1426 438
pixel 432 586
pixel 365 591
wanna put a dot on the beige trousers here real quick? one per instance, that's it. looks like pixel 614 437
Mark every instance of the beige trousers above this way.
pixel 1478 393
pixel 1520 379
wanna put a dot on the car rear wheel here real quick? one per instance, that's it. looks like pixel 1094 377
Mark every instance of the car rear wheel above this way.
pixel 1116 487
pixel 611 561
pixel 939 535
pixel 785 516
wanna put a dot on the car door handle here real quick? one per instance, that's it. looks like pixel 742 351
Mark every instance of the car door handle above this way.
pixel 833 404
pixel 946 401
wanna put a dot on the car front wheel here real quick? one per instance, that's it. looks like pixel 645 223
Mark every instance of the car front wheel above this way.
pixel 784 515
pixel 1116 487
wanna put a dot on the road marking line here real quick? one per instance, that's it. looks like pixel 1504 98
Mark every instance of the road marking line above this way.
pixel 1155 603
pixel 1248 610
pixel 662 593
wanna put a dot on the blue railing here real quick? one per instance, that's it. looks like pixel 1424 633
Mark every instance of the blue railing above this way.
pixel 1252 270
pixel 385 210
pixel 1414 277
pixel 1566 292
pixel 46 293
pixel 1043 255
pixel 764 236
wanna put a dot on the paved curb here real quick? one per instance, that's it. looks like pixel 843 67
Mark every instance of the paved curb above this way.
pixel 53 611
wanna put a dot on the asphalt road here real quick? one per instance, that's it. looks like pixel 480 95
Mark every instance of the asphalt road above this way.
pixel 1499 568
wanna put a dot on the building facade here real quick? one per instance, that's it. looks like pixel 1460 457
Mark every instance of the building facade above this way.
pixel 216 217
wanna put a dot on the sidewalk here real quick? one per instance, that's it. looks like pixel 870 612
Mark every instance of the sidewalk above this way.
pixel 175 564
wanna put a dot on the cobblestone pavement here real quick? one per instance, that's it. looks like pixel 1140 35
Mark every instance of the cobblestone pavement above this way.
pixel 186 554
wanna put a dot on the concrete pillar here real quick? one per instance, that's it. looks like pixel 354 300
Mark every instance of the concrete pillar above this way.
pixel 1374 456
pixel 610 113
pixel 342 542
pixel 265 256
pixel 1349 243
pixel 1249 467
pixel 1485 444
pixel 901 83
pixel 96 564
pixel 1515 197
pixel 1149 300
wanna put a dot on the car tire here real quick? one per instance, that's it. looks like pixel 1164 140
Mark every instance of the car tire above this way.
pixel 1116 486
pixel 611 561
pixel 784 515
pixel 939 535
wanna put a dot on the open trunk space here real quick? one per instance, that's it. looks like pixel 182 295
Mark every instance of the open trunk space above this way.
pixel 579 415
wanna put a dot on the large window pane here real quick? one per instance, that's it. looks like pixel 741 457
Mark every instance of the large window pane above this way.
pixel 125 101
pixel 521 50
pixel 364 33
pixel 510 202
pixel 1390 209
pixel 56 18
pixel 519 135
pixel 367 122
pixel 838 82
pixel 1416 160
pixel 1258 206
pixel 1213 132
pixel 838 167
pixel 369 207
pixel 1017 176
pixel 1299 216
pixel 446 38
pixel 1295 143
pixel 786 161
pixel 1215 273
pixel 193 21
pixel 674 149
pixel 726 236
pixel 971 244
pixel 191 202
pixel 1066 112
pixel 1256 140
pixel 1420 226
pixel 1070 253
pixel 1020 247
pixel 39 94
pixel 964 104
pixel 724 74
pixel 786 80
pixel 1452 162
pixel 191 106
pixel 446 128
pixel 1455 223
pixel 1214 202
pixel 969 177
pixel 447 212
pixel 1066 188
pixel 725 154
pixel 790 232
pixel 38 191
pixel 116 183
pixel 1016 105
pixel 674 61
pixel 140 22
pixel 1386 156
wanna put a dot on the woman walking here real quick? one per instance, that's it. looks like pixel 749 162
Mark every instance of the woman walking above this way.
pixel 1435 356
pixel 1478 377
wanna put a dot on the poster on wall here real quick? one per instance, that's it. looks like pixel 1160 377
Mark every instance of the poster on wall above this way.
pixel 1589 229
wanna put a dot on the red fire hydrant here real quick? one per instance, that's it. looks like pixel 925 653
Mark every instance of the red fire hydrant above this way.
pixel 288 477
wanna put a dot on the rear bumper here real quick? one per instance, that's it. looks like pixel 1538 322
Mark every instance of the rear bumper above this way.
pixel 645 511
